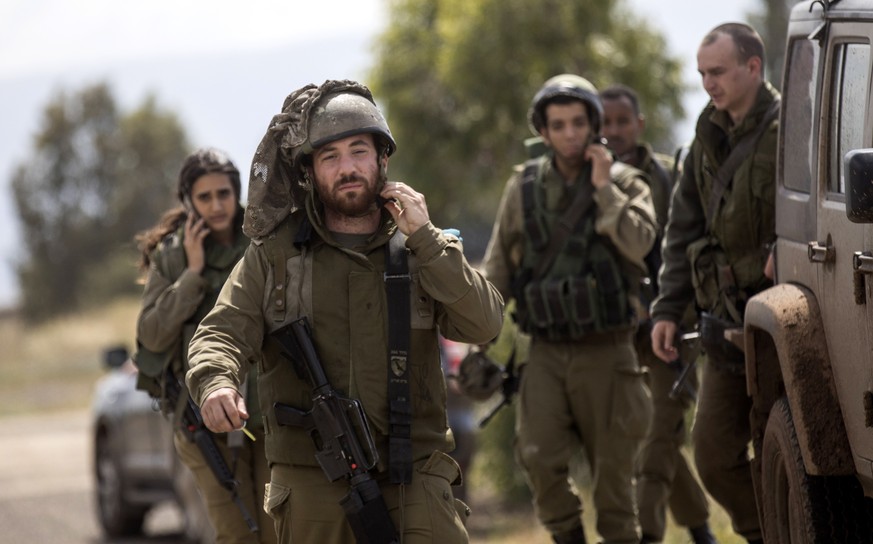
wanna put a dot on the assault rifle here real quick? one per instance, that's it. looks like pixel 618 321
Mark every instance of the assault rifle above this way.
pixel 195 431
pixel 684 371
pixel 343 441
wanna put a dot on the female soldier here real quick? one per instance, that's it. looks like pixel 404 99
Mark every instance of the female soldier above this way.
pixel 188 256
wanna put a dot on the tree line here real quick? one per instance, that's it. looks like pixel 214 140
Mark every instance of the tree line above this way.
pixel 454 78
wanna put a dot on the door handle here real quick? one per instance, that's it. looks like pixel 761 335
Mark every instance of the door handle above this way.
pixel 862 261
pixel 862 264
pixel 819 253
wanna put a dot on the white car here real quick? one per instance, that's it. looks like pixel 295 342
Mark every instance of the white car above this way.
pixel 135 463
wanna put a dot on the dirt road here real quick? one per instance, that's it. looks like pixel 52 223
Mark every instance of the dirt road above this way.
pixel 46 485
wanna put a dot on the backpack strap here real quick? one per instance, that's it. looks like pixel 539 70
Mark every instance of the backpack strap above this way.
pixel 738 154
pixel 535 229
pixel 276 245
pixel 397 285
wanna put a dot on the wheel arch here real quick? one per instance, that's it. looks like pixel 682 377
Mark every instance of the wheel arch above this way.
pixel 783 324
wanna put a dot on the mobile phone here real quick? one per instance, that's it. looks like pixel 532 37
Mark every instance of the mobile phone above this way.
pixel 189 207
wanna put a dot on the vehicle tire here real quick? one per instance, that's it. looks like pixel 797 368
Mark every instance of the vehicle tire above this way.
pixel 117 516
pixel 799 508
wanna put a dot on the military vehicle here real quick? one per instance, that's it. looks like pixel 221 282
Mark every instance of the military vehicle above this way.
pixel 809 339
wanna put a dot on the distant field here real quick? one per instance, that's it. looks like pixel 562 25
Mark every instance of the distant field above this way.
pixel 53 366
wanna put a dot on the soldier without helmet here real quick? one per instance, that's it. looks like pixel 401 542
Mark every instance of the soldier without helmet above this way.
pixel 722 219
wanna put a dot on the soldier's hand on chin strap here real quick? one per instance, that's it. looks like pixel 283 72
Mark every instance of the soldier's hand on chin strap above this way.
pixel 224 410
pixel 406 206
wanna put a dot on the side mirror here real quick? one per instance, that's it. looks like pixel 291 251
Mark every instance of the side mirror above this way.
pixel 115 357
pixel 858 169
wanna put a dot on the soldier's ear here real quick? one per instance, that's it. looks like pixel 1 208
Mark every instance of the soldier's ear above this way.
pixel 755 65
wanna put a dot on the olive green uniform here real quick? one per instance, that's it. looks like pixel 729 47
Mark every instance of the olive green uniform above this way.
pixel 717 262
pixel 587 393
pixel 664 477
pixel 341 289
pixel 174 301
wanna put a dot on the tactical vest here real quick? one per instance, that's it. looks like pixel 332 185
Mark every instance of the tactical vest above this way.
pixel 586 290
pixel 727 263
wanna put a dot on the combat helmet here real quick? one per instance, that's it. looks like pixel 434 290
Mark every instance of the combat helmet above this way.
pixel 311 117
pixel 346 113
pixel 565 85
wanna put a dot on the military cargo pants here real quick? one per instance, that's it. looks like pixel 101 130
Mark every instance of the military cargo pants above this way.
pixel 721 437
pixel 665 478
pixel 306 507
pixel 251 472
pixel 587 394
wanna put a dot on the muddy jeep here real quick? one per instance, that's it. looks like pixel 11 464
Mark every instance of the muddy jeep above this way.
pixel 809 339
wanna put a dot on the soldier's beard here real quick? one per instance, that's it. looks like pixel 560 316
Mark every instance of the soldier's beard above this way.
pixel 357 203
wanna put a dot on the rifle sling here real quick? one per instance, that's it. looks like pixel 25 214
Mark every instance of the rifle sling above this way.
pixel 397 284
pixel 738 154
pixel 189 420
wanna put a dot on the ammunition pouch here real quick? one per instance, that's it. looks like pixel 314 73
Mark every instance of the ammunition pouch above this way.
pixel 571 282
pixel 721 353
pixel 715 286
pixel 568 308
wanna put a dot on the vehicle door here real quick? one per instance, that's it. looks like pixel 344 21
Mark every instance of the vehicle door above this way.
pixel 845 304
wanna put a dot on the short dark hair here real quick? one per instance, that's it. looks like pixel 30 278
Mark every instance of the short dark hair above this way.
pixel 748 41
pixel 619 91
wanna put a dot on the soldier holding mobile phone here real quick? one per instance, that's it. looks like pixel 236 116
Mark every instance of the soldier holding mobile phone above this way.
pixel 188 256
pixel 571 233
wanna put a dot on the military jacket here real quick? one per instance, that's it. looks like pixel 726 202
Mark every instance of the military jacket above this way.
pixel 342 293
pixel 175 299
pixel 744 222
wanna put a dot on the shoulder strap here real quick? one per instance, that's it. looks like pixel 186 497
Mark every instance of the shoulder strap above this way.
pixel 275 245
pixel 738 154
pixel 534 228
pixel 679 157
pixel 397 284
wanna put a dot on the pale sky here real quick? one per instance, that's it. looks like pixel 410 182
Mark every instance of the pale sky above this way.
pixel 223 65
pixel 50 35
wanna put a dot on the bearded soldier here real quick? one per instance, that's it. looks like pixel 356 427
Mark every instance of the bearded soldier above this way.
pixel 358 257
